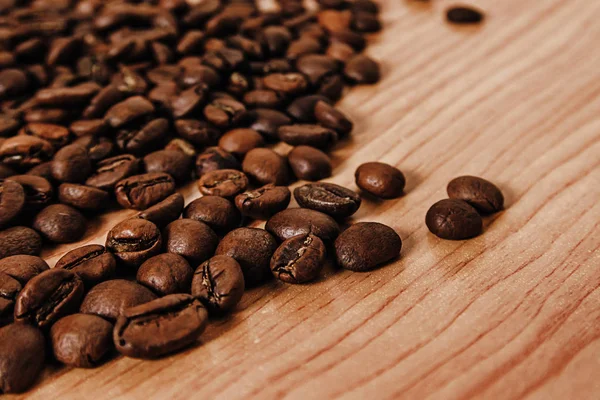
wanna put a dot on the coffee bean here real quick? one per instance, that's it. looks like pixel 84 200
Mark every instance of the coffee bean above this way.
pixel 262 98
pixel 225 113
pixel 62 50
pixel 133 241
pixel 464 15
pixel 71 164
pixel 49 296
pixel 303 46
pixel 217 212
pixel 23 267
pixel 252 248
pixel 276 40
pixel 22 353
pixel 215 158
pixel 354 39
pixel 191 42
pixel 362 69
pixel 128 110
pixel 189 101
pixel 219 284
pixel 201 75
pixel 174 163
pixel 303 108
pixel 302 221
pixel 104 100
pixel 113 170
pixel 309 163
pixel 264 202
pixel 19 240
pixel 267 122
pixel 193 240
pixel 365 22
pixel 340 51
pixel 334 20
pixel 98 148
pixel 60 223
pixel 9 289
pixel 453 220
pixel 94 127
pixel 317 66
pixel 199 133
pixel 299 259
pixel 164 212
pixel 43 170
pixel 24 151
pixel 366 245
pixel 160 327
pixel 142 191
pixel 67 96
pixel 479 193
pixel 12 200
pixel 83 197
pixel 5 171
pixel 380 180
pixel 240 141
pixel 166 274
pixel 47 115
pixel 92 263
pixel 332 118
pixel 146 137
pixel 308 135
pixel 289 84
pixel 224 182
pixel 182 146
pixel 329 198
pixel 109 299
pixel 56 135
pixel 266 166
pixel 38 191
pixel 81 340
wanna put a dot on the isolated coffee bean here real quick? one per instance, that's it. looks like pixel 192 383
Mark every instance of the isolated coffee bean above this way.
pixel 453 220
pixel 164 212
pixel 92 263
pixel 309 163
pixel 464 15
pixel 193 240
pixel 9 289
pixel 81 340
pixel 49 296
pixel 240 141
pixel 265 166
pixel 23 267
pixel 217 212
pixel 299 259
pixel 166 274
pixel 113 170
pixel 219 284
pixel 160 327
pixel 24 151
pixel 307 135
pixel 252 248
pixel 56 135
pixel 60 223
pixel 19 240
pixel 302 221
pixel 329 198
pixel 71 164
pixel 83 197
pixel 12 200
pixel 479 193
pixel 380 179
pixel 142 191
pixel 39 192
pixel 128 110
pixel 22 353
pixel 109 299
pixel 175 163
pixel 224 183
pixel 362 69
pixel 215 158
pixel 267 121
pixel 366 245
pixel 133 241
pixel 331 118
pixel 143 138
pixel 199 133
pixel 264 202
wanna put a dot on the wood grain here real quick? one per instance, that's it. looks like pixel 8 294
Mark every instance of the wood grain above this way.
pixel 511 314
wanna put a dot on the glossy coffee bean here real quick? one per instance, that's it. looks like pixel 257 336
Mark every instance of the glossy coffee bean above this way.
pixel 335 20
pixel 308 135
pixel 133 241
pixel 193 240
pixel 317 66
pixel 479 193
pixel 453 220
pixel 362 69
pixel 217 212
pixel 142 191
pixel 215 158
pixel 226 183
pixel 288 84
pixel 164 212
pixel 267 121
pixel 22 351
pixel 71 164
pixel 225 113
pixel 67 96
pixel 6 171
pixel 23 267
pixel 188 102
pixel 49 296
pixel 252 248
pixel 302 221
pixel 332 118
pixel 92 263
pixel 166 274
pixel 160 327
pixel 265 166
pixel 464 15
pixel 39 192
pixel 56 135
pixel 182 146
pixel 219 284
pixel 240 141
pixel 143 138
pixel 9 289
pixel 13 82
pixel 199 133
pixel 309 163
pixel 175 163
pixel 128 110
pixel 60 223
pixel 302 109
pixel 366 245
pixel 83 197
pixel 19 240
pixel 12 201
pixel 43 170
pixel 262 98
pixel 299 259
pixel 264 202
pixel 81 340
pixel 365 22
pixel 94 127
pixel 329 198
pixel 109 299
pixel 112 170
pixel 380 179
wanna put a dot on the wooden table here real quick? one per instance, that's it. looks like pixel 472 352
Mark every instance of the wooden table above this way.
pixel 514 313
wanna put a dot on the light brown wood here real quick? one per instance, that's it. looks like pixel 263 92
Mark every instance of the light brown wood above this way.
pixel 514 313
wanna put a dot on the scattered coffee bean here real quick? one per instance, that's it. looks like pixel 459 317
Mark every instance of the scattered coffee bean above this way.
pixel 215 158
pixel 22 351
pixel 240 141
pixel 223 182
pixel 366 245
pixel 39 192
pixel 199 133
pixel 60 223
pixel 19 240
pixel 113 170
pixel 299 259
pixel 83 197
pixel 331 118
pixel 193 240
pixel 217 212
pixel 23 267
pixel 166 274
pixel 266 166
pixel 12 200
pixel 362 69
pixel 56 135
pixel 133 241
pixel 175 163
pixel 71 164
pixel 380 180
pixel 264 202
pixel 142 191
pixel 9 289
pixel 453 220
pixel 481 194
pixel 309 163
pixel 464 15
pixel 164 212
pixel 308 135
pixel 25 151
pixel 142 139
pixel 92 263
pixel 302 221
pixel 219 284
pixel 127 111
pixel 329 198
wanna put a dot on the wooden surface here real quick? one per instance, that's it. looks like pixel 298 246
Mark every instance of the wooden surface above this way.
pixel 514 313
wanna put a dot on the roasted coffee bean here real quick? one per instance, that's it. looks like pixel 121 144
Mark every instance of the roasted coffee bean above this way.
pixel 225 113
pixel 189 101
pixel 365 22
pixel 219 284
pixel 83 197
pixel 329 198
pixel 94 127
pixel 23 267
pixel 199 133
pixel 215 158
pixel 307 135
pixel 299 259
pixel 267 122
pixel 464 15
pixel 317 66
pixel 366 245
pixel 56 135
pixel 140 140
pixel 81 340
pixel 5 171
pixel 288 84
pixel 92 263
pixel 192 42
pixel 13 82
pixel 261 98
pixel 166 274
pixel 362 69
pixel 47 115
pixel 453 220
pixel 142 191
pixel 266 166
pixel 129 110
pixel 193 240
pixel 252 248
pixel 276 40
pixel 112 170
pixel 160 327
pixel 19 240
pixel 200 75
pixel 332 118
pixel 302 221
pixel 12 200
pixel 133 241
pixel 22 353
pixel 38 191
pixel 24 151
pixel 62 50
pixel 43 170
pixel 164 73
pixel 264 202
pixel 49 296
pixel 303 46
pixel 335 20
pixel 182 146
pixel 340 51
pixel 309 163
pixel 479 193
pixel 67 96
pixel 104 100
pixel 240 141
pixel 354 39
pixel 368 6
pixel 71 164
pixel 9 289
pixel 217 212
pixel 175 163
pixel 303 108
pixel 223 182
pixel 60 223
pixel 164 212
pixel 380 179
pixel 109 299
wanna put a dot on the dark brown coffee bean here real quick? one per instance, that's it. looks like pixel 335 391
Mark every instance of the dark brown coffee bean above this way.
pixel 43 170
pixel 365 22
pixel 142 191
pixel 286 84
pixel 19 240
pixel 174 163
pixel 219 284
pixel 334 20
pixel 299 259
pixel 81 340
pixel 56 135
pixel 92 263
pixel 329 198
pixel 464 15
pixel 199 133
pixel 23 267
pixel 22 352
pixel 67 96
pixel 309 163
pixel 142 139
pixel 164 212
pixel 307 135
pixel 94 127
pixel 9 289
pixel 47 115
pixel 166 274
pixel 366 245
pixel 109 299
pixel 225 113
pixel 191 43
pixel 8 125
pixel 49 296
pixel 266 166
pixel 276 40
pixel 162 53
pixel 112 170
pixel 133 241
pixel 380 179
pixel 104 100
pixel 129 81
pixel 332 118
pixel 83 197
pixel 302 221
pixel 317 66
pixel 353 39
pixel 160 327
pixel 24 151
pixel 264 202
pixel 262 98
pixel 193 240
pixel 38 191
pixel 12 200
pixel 128 110
pixel 201 75
pixel 189 101
pixel 71 164
pixel 182 146
pixel 217 212
pixel 5 171
pixel 267 122
pixel 368 6
pixel 215 158
pixel 340 51
pixel 362 69
pixel 226 183
pixel 240 141
pixel 303 108
pixel 303 46
pixel 252 248
pixel 481 194
pixel 453 220
pixel 60 223
pixel 62 50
